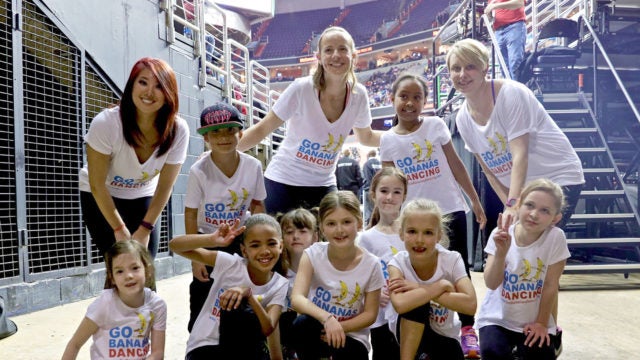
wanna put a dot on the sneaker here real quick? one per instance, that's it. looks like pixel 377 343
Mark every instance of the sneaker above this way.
pixel 469 342
pixel 556 341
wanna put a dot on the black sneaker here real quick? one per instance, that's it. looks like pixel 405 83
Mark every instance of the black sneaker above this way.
pixel 556 341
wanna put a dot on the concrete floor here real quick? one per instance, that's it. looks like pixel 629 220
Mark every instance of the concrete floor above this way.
pixel 599 315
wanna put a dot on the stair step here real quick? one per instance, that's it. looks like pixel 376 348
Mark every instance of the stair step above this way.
pixel 562 97
pixel 593 150
pixel 601 193
pixel 599 171
pixel 601 217
pixel 567 111
pixel 603 241
pixel 588 131
pixel 601 268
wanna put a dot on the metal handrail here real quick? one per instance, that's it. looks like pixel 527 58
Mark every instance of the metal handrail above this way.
pixel 492 36
pixel 597 43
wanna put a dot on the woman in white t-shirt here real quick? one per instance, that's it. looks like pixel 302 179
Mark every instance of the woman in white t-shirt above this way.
pixel 320 112
pixel 134 154
pixel 509 131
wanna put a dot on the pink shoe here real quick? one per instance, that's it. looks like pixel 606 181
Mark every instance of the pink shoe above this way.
pixel 469 342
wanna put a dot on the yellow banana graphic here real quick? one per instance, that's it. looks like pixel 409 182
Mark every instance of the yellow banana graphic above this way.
pixel 418 150
pixel 234 199
pixel 142 325
pixel 429 149
pixel 145 176
pixel 344 292
pixel 494 146
pixel 539 269
pixel 339 144
pixel 393 250
pixel 260 298
pixel 245 194
pixel 330 143
pixel 527 270
pixel 503 141
pixel 356 295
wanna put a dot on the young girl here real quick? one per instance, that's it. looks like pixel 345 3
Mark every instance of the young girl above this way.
pixel 128 320
pixel 524 264
pixel 427 284
pixel 246 298
pixel 422 148
pixel 299 231
pixel 388 190
pixel 337 287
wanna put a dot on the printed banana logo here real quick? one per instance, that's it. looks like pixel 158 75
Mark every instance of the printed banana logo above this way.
pixel 234 199
pixel 418 150
pixel 394 250
pixel 356 295
pixel 503 141
pixel 494 146
pixel 339 144
pixel 329 143
pixel 260 298
pixel 145 176
pixel 539 269
pixel 245 195
pixel 143 324
pixel 344 292
pixel 527 270
pixel 429 149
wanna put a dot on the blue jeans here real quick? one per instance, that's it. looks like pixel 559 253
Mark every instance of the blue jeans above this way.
pixel 511 41
pixel 282 197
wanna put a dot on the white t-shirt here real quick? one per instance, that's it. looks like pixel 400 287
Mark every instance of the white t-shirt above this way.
pixel 384 246
pixel 421 158
pixel 341 293
pixel 127 177
pixel 230 271
pixel 516 302
pixel 517 112
pixel 124 332
pixel 450 267
pixel 308 154
pixel 221 199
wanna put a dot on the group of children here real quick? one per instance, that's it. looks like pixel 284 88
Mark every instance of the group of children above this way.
pixel 316 286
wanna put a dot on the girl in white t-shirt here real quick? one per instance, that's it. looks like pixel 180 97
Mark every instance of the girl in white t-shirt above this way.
pixel 428 285
pixel 299 231
pixel 128 320
pixel 422 148
pixel 337 287
pixel 524 264
pixel 320 111
pixel 388 191
pixel 247 295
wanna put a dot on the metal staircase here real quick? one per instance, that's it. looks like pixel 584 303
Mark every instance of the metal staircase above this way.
pixel 604 231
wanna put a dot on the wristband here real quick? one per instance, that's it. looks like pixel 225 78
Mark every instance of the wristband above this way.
pixel 147 225
pixel 510 202
pixel 118 228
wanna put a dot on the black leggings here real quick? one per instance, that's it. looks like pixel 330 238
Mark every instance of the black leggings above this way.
pixel 308 345
pixel 458 242
pixel 132 212
pixel 282 197
pixel 436 346
pixel 497 343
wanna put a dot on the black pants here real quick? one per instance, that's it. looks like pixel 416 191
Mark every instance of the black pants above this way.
pixel 240 337
pixel 282 198
pixel 384 344
pixel 436 346
pixel 497 343
pixel 132 212
pixel 306 333
pixel 458 242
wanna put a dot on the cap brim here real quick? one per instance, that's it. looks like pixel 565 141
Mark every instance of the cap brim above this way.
pixel 12 328
pixel 208 128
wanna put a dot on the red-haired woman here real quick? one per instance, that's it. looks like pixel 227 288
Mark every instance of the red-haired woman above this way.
pixel 134 153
